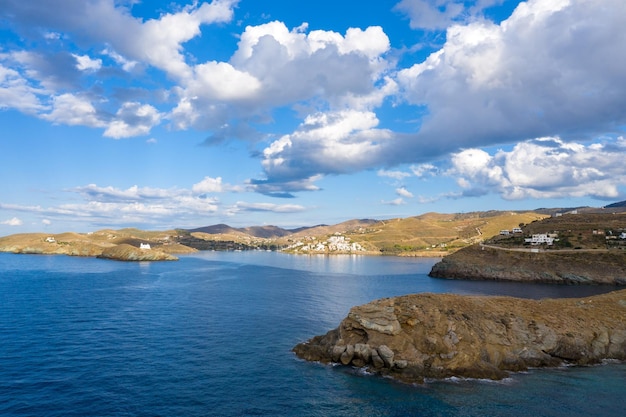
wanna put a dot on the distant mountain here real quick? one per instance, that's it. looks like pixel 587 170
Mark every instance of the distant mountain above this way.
pixel 265 232
pixel 619 204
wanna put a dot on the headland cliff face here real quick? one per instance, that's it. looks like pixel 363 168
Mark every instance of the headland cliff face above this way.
pixel 559 266
pixel 420 336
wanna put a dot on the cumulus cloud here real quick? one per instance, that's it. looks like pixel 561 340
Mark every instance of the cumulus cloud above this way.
pixel 521 79
pixel 326 143
pixel 17 93
pixel 544 168
pixel 274 66
pixel 490 83
pixel 133 119
pixel 85 63
pixel 214 185
pixel 12 222
pixel 403 192
pixel 74 110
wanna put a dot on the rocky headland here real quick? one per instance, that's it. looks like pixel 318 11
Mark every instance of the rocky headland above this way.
pixel 125 245
pixel 415 337
pixel 480 262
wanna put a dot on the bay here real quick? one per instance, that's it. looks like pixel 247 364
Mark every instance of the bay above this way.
pixel 212 334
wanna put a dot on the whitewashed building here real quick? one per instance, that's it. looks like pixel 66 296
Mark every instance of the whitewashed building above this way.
pixel 540 239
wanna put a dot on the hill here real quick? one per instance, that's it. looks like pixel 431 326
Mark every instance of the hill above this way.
pixel 430 234
pixel 124 244
pixel 576 248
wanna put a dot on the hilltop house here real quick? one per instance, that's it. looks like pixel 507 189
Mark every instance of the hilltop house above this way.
pixel 540 238
pixel 144 246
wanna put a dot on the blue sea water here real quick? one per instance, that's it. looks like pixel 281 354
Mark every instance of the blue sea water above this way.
pixel 211 335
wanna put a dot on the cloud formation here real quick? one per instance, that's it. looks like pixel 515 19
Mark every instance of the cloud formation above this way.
pixel 544 168
pixel 12 222
pixel 487 84
pixel 154 207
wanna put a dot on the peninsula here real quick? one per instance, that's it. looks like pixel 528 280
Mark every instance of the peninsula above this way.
pixel 121 245
pixel 574 248
pixel 415 337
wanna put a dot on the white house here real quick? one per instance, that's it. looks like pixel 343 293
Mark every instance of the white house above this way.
pixel 539 239
pixel 144 246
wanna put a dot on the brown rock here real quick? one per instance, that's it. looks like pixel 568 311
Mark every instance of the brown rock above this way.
pixel 443 335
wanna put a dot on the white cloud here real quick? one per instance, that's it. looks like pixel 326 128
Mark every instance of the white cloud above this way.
pixel 208 185
pixel 73 110
pixel 221 81
pixel 544 168
pixel 127 65
pixel 396 175
pixel 85 63
pixel 16 93
pixel 327 143
pixel 521 79
pixel 12 222
pixel 424 170
pixel 274 66
pixel 397 202
pixel 403 192
pixel 112 194
pixel 133 119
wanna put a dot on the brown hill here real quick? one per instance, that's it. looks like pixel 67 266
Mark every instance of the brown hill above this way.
pixel 588 248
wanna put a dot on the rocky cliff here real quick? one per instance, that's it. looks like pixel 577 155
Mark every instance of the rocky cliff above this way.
pixel 559 266
pixel 422 336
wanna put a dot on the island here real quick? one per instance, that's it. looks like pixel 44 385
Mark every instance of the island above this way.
pixel 421 336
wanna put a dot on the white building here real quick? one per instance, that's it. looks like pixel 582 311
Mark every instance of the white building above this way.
pixel 540 238
pixel 144 246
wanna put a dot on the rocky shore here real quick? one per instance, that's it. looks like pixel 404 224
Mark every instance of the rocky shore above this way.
pixel 557 266
pixel 419 336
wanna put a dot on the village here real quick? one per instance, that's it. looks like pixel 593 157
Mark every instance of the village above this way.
pixel 336 243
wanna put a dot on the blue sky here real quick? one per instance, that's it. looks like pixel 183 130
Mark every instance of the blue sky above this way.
pixel 163 114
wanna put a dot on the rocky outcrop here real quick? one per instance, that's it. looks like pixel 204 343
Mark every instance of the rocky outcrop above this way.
pixel 558 266
pixel 420 336
pixel 126 252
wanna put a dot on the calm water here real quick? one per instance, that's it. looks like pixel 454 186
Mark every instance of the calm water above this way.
pixel 211 335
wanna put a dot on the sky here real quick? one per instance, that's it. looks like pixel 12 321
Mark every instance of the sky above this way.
pixel 181 114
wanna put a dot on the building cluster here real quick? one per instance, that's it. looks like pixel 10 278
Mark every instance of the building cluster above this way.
pixel 335 243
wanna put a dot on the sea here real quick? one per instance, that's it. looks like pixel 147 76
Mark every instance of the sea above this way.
pixel 211 335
